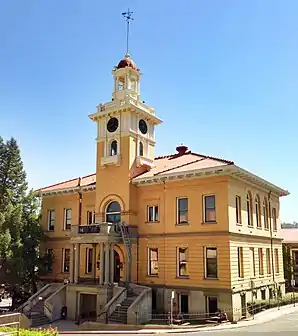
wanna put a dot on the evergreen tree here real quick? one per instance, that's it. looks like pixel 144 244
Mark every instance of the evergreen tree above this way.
pixel 20 232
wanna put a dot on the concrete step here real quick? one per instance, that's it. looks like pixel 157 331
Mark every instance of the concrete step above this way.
pixel 39 319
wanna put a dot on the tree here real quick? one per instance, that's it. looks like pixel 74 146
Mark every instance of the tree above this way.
pixel 20 232
pixel 288 263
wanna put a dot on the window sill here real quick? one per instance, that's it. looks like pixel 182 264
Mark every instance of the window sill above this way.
pixel 152 222
pixel 182 224
pixel 182 277
pixel 239 224
pixel 241 279
pixel 261 275
pixel 252 278
pixel 259 228
pixel 152 276
pixel 211 222
pixel 266 229
pixel 250 226
pixel 65 272
pixel 211 278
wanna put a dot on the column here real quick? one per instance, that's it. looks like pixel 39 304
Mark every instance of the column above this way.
pixel 111 263
pixel 102 264
pixel 71 266
pixel 94 261
pixel 77 263
pixel 107 264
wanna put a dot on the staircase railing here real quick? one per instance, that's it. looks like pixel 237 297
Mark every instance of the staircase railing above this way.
pixel 111 306
pixel 29 303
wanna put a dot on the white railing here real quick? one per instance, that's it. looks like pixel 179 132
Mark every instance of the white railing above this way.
pixel 14 324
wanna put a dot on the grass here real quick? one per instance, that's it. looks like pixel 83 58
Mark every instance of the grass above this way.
pixel 32 332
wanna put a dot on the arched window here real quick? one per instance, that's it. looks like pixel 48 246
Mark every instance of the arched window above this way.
pixel 141 149
pixel 249 209
pixel 113 213
pixel 265 213
pixel 258 211
pixel 114 148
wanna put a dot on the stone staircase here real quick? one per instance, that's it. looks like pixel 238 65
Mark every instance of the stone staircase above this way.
pixel 119 316
pixel 36 314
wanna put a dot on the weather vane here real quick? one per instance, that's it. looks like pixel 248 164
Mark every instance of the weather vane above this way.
pixel 128 17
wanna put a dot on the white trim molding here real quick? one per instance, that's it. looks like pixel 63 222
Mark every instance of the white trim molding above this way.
pixel 224 170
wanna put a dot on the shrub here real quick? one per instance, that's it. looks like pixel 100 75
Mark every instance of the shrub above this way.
pixel 260 305
pixel 33 332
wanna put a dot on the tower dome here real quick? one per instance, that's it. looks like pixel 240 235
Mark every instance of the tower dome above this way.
pixel 127 62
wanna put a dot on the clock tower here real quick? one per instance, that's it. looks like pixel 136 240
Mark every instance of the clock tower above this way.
pixel 125 141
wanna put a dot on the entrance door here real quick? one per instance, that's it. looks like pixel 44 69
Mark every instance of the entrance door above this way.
pixel 212 305
pixel 154 299
pixel 243 305
pixel 116 267
pixel 183 303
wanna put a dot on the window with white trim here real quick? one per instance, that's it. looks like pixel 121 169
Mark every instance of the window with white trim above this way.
pixel 90 217
pixel 209 209
pixel 51 220
pixel 182 210
pixel 141 149
pixel 152 213
pixel 114 148
pixel 182 261
pixel 211 263
pixel 67 219
pixel 89 260
pixel 152 261
pixel 65 260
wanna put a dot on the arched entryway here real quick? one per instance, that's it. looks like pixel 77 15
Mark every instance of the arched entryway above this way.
pixel 117 267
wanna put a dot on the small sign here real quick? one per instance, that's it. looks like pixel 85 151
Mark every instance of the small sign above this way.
pixel 173 294
pixel 293 283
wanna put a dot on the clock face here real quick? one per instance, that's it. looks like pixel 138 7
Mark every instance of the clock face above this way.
pixel 112 125
pixel 143 126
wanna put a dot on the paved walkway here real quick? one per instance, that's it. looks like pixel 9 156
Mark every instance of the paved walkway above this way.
pixel 65 327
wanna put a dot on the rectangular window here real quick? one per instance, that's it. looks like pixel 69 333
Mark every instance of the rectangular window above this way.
pixel 211 262
pixel 66 260
pixel 238 210
pixel 49 261
pixel 152 261
pixel 152 213
pixel 209 209
pixel 240 262
pixel 274 219
pixel 51 220
pixel 268 261
pixel 67 219
pixel 252 262
pixel 182 210
pixel 182 262
pixel 90 217
pixel 89 259
pixel 261 261
pixel 276 254
pixel 263 294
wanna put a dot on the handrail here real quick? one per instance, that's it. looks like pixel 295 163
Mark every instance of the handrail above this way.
pixel 25 304
pixel 48 305
pixel 11 324
pixel 106 309
pixel 140 296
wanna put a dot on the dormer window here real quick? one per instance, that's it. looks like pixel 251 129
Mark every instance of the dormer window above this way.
pixel 114 148
pixel 141 149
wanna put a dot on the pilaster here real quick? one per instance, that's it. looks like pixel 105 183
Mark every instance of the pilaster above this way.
pixel 102 264
pixel 111 263
pixel 77 263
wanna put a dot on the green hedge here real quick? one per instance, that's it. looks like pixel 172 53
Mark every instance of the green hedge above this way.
pixel 33 332
pixel 260 305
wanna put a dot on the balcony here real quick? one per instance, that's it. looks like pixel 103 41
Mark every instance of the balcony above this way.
pixel 95 233
pixel 110 160
pixel 85 229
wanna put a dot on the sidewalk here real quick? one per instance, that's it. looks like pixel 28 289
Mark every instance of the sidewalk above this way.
pixel 67 327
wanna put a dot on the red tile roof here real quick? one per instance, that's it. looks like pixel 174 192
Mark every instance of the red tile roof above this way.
pixel 289 235
pixel 174 163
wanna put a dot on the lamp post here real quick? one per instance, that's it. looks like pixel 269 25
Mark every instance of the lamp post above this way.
pixel 293 283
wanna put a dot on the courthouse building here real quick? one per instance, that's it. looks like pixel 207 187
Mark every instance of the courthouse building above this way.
pixel 142 226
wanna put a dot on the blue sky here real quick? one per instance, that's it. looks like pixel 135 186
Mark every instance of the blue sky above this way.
pixel 223 75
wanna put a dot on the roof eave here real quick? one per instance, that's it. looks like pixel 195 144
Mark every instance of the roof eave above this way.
pixel 254 179
pixel 230 169
pixel 65 191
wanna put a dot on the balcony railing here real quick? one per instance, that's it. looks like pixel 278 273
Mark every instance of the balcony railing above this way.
pixel 83 229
